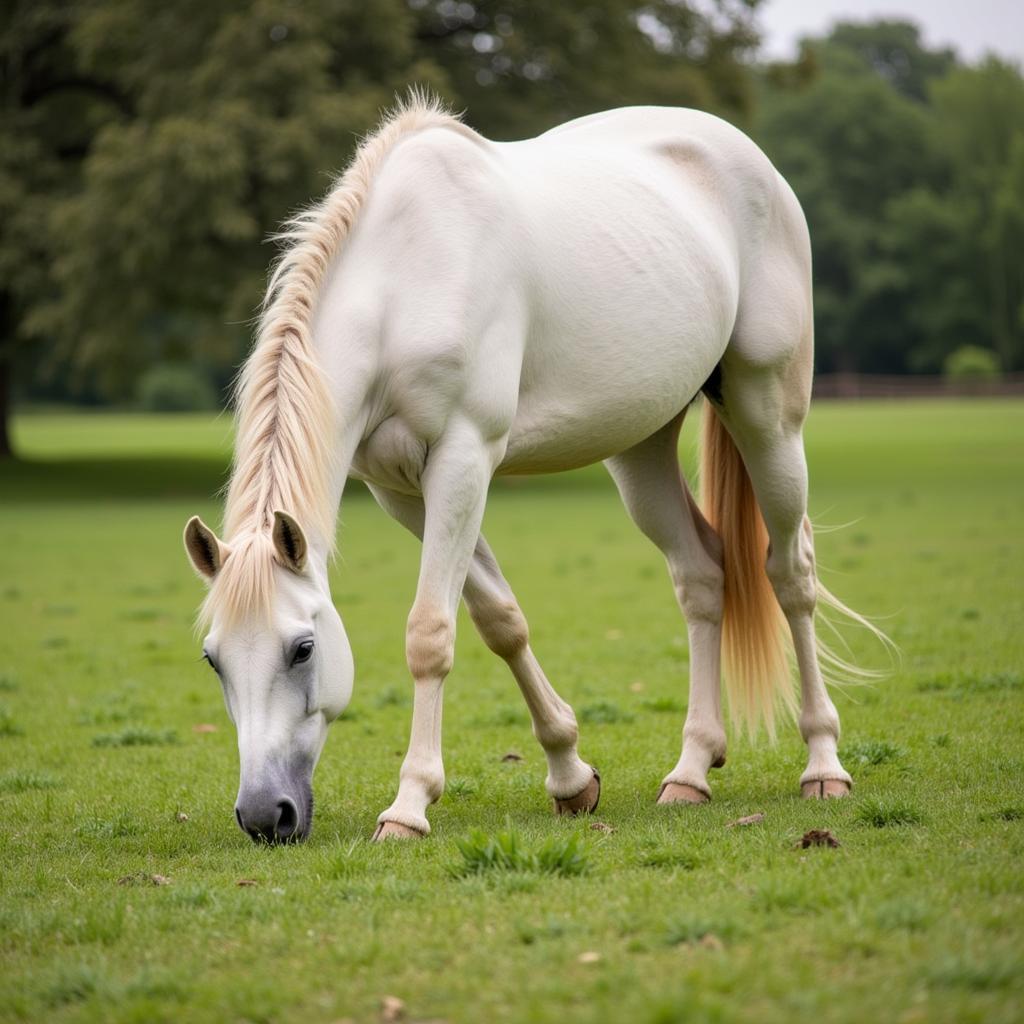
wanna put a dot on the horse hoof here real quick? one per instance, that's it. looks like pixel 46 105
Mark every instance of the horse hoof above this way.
pixel 395 830
pixel 680 793
pixel 584 802
pixel 825 789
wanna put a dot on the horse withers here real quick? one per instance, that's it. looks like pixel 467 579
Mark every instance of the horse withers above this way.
pixel 456 309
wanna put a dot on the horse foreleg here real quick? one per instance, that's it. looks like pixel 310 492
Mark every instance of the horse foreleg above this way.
pixel 656 497
pixel 572 783
pixel 455 482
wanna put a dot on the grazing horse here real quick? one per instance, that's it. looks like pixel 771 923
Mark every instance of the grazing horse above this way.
pixel 457 308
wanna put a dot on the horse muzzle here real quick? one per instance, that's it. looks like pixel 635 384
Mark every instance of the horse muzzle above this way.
pixel 276 814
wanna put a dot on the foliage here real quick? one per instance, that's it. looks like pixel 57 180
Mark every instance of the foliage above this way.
pixel 146 154
pixel 168 387
pixel 971 362
pixel 910 168
pixel 929 917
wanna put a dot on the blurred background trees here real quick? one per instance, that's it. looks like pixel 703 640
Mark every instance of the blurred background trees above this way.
pixel 146 153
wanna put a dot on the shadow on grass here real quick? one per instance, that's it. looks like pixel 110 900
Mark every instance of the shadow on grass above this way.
pixel 156 477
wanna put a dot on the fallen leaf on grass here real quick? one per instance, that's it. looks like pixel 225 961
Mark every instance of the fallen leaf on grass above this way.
pixel 392 1009
pixel 600 826
pixel 589 957
pixel 817 837
pixel 181 816
pixel 204 727
pixel 750 819
pixel 512 756
pixel 144 878
pixel 246 882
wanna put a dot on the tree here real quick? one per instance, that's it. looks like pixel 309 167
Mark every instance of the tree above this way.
pixel 51 111
pixel 149 150
pixel 911 172
pixel 893 51
pixel 522 67
pixel 850 144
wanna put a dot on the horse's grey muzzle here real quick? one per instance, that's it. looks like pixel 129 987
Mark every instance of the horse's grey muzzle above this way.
pixel 269 818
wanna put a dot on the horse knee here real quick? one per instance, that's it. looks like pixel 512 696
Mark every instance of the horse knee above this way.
pixel 503 627
pixel 429 644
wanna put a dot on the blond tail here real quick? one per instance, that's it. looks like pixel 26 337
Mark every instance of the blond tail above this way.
pixel 755 637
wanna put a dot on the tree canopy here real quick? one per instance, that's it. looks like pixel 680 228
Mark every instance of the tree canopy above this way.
pixel 147 152
pixel 908 165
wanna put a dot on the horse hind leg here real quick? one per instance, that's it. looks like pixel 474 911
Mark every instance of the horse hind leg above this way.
pixel 764 410
pixel 657 499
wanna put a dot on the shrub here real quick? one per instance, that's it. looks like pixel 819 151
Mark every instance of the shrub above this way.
pixel 971 362
pixel 170 387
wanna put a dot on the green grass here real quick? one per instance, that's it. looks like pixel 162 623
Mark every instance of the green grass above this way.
pixel 916 917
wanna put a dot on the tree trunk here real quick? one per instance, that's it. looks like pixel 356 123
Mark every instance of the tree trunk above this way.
pixel 6 450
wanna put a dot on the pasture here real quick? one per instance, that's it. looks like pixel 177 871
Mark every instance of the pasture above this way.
pixel 118 766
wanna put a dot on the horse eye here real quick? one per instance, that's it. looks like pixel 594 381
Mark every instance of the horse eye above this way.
pixel 211 662
pixel 303 652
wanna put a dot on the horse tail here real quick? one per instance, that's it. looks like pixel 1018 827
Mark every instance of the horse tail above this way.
pixel 755 637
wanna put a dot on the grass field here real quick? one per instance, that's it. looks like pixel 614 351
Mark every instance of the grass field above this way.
pixel 118 764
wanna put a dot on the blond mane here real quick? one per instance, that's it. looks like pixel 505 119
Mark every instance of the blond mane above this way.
pixel 285 416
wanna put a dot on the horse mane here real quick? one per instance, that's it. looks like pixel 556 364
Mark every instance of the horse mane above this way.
pixel 285 417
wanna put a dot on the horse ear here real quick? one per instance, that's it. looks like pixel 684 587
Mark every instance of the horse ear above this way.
pixel 205 551
pixel 290 542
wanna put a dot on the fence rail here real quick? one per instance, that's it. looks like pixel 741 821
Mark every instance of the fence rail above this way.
pixel 865 385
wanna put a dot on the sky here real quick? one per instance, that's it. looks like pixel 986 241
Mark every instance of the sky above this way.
pixel 971 27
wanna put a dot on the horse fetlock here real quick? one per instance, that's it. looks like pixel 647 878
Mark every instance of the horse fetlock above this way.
pixel 429 644
pixel 820 724
pixel 428 778
pixel 708 739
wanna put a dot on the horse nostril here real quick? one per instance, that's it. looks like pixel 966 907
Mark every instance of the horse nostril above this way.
pixel 287 819
pixel 238 818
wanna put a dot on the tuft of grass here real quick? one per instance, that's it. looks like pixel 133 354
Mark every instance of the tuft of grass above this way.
pixel 668 858
pixel 603 712
pixel 871 752
pixel 72 985
pixel 1004 814
pixel 690 928
pixel 119 827
pixel 967 972
pixel 137 736
pixel 664 705
pixel 505 851
pixel 23 781
pixel 883 814
pixel 507 714
pixel 461 786
pixel 8 726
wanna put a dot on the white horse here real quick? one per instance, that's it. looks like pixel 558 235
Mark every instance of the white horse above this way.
pixel 457 308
